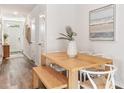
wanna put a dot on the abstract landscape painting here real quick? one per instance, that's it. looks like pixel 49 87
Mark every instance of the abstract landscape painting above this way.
pixel 101 23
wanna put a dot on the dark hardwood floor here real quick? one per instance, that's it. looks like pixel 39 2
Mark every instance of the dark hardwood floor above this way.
pixel 16 73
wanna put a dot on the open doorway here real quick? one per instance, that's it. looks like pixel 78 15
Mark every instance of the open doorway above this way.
pixel 33 40
pixel 41 46
pixel 14 29
pixel 38 38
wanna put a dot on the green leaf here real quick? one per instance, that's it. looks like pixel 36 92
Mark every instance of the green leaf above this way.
pixel 69 30
pixel 63 38
pixel 63 34
pixel 74 34
pixel 69 34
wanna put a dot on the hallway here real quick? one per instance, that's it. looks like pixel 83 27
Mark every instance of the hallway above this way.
pixel 16 73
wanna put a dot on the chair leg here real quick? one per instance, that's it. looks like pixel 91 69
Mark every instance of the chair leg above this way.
pixel 66 73
pixel 80 77
pixel 84 76
pixel 78 84
pixel 113 81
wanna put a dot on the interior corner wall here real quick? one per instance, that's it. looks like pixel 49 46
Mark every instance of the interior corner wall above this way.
pixel 58 17
pixel 26 45
pixel 111 49
pixel 34 14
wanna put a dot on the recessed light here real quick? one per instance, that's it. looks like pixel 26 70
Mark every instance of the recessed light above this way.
pixel 42 16
pixel 15 13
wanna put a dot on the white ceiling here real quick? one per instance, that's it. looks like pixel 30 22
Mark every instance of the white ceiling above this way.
pixel 25 8
pixel 7 10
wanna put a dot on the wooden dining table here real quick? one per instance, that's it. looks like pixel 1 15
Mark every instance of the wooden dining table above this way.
pixel 73 65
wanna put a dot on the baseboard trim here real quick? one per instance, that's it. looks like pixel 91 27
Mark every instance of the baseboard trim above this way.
pixel 117 87
pixel 28 59
pixel 119 84
pixel 26 55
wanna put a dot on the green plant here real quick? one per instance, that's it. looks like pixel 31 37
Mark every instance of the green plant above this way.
pixel 69 34
pixel 5 36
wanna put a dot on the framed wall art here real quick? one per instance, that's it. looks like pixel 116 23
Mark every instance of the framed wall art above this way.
pixel 28 33
pixel 102 23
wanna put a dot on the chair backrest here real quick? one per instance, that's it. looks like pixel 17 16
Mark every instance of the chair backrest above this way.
pixel 109 74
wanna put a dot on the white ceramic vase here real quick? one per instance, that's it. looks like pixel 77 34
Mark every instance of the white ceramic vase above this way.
pixel 72 49
pixel 5 42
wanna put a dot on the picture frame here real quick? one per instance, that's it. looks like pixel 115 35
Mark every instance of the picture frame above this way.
pixel 102 23
pixel 28 33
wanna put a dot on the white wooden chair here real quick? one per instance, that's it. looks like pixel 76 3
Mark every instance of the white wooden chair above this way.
pixel 98 79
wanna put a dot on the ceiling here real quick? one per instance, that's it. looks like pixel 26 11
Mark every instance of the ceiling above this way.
pixel 8 10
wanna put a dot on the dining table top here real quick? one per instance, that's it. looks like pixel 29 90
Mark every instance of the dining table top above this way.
pixel 81 61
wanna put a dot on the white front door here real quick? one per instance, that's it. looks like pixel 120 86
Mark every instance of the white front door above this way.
pixel 13 29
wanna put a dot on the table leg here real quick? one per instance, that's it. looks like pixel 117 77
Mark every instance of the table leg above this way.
pixel 43 60
pixel 73 80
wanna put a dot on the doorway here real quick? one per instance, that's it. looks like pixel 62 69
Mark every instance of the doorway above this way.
pixel 38 38
pixel 14 30
pixel 42 37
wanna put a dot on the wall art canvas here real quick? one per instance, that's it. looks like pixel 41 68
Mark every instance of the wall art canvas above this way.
pixel 102 23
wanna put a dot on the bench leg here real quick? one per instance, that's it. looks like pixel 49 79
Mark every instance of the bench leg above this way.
pixel 35 81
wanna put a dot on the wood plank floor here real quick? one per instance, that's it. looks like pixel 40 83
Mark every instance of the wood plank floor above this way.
pixel 16 73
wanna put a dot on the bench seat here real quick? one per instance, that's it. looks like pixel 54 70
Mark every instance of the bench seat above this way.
pixel 50 78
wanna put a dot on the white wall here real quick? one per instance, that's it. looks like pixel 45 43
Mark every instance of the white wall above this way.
pixel 112 49
pixel 26 45
pixel 58 17
pixel 29 49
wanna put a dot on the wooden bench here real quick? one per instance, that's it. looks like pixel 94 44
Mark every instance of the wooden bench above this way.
pixel 49 77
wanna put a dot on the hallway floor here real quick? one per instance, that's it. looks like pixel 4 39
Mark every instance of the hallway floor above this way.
pixel 16 73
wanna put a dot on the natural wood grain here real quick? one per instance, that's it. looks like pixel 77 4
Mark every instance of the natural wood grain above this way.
pixel 6 51
pixel 94 59
pixel 50 78
pixel 73 80
pixel 100 83
pixel 73 65
pixel 35 80
pixel 80 62
pixel 43 60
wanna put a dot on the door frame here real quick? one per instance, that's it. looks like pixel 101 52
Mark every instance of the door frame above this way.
pixel 42 43
pixel 21 33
